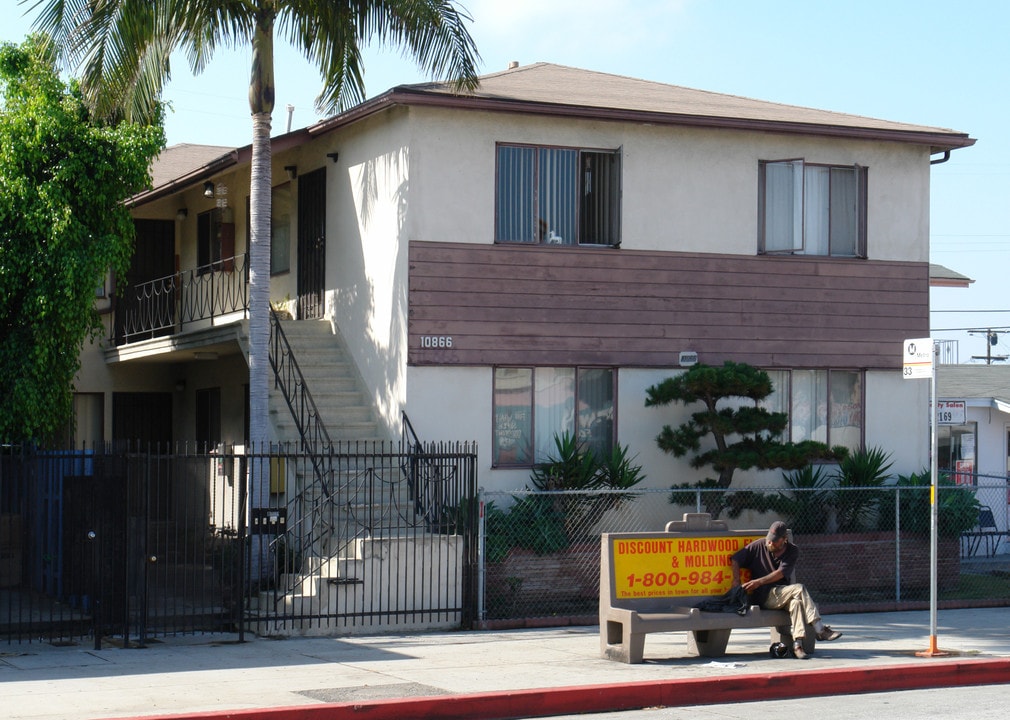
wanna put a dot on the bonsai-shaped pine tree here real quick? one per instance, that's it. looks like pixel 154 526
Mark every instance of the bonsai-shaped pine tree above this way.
pixel 744 436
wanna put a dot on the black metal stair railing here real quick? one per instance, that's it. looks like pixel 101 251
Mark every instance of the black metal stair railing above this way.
pixel 311 527
pixel 427 481
pixel 288 378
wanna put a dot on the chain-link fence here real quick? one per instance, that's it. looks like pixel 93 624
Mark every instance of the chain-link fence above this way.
pixel 862 548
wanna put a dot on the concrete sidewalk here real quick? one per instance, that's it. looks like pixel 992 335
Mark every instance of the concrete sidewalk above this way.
pixel 518 673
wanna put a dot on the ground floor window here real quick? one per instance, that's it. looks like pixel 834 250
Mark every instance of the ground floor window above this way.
pixel 87 426
pixel 208 417
pixel 956 450
pixel 533 405
pixel 822 405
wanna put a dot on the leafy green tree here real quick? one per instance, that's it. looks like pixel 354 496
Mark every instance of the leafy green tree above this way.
pixel 743 436
pixel 63 225
pixel 123 49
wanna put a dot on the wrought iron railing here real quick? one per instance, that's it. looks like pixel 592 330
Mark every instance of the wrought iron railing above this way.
pixel 426 476
pixel 288 378
pixel 310 525
pixel 169 304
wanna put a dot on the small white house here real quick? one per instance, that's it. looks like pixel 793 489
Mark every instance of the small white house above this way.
pixel 973 432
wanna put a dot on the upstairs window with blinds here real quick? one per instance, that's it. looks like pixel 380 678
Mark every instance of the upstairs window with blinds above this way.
pixel 558 196
pixel 808 209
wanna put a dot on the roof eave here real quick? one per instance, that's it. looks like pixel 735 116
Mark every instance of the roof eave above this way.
pixel 949 283
pixel 407 95
pixel 239 156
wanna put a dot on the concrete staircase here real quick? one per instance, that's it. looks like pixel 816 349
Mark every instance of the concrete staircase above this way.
pixel 333 380
pixel 346 567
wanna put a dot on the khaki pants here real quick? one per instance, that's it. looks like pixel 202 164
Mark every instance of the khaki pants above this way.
pixel 797 602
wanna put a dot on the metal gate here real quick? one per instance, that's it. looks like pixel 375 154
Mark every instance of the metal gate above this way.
pixel 130 545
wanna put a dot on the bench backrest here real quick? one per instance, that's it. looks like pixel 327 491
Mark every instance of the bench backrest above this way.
pixel 654 571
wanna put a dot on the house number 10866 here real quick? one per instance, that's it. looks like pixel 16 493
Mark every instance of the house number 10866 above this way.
pixel 436 341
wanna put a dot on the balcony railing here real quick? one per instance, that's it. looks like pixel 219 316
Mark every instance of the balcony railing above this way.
pixel 185 300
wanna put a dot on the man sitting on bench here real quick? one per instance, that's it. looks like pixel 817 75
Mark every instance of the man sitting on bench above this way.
pixel 771 563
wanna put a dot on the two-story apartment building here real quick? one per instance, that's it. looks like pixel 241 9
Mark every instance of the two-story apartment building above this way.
pixel 527 260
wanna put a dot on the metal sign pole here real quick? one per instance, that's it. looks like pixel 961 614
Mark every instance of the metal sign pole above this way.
pixel 933 650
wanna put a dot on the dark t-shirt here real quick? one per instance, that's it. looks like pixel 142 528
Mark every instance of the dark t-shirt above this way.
pixel 757 558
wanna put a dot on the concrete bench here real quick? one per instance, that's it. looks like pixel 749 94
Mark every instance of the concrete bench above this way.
pixel 651 582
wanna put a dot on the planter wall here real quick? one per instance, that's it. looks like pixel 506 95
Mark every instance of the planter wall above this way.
pixel 850 562
pixel 546 584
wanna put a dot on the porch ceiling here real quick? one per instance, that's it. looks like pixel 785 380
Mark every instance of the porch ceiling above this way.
pixel 198 345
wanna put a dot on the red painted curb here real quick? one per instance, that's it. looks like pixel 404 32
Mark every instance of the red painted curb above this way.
pixel 546 702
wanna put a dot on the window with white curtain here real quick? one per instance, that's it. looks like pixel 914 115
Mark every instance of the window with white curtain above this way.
pixel 280 230
pixel 533 405
pixel 557 196
pixel 822 405
pixel 812 209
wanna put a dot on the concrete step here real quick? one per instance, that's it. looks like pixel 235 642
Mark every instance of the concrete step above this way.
pixel 334 412
pixel 345 431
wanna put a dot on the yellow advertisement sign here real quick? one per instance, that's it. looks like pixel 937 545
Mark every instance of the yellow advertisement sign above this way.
pixel 659 567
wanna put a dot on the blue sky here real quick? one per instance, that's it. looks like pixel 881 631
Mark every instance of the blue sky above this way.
pixel 919 61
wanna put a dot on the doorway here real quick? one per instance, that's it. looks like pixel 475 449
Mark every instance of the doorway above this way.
pixel 311 243
pixel 145 308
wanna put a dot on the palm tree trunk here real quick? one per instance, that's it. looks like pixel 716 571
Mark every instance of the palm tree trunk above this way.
pixel 259 282
pixel 261 102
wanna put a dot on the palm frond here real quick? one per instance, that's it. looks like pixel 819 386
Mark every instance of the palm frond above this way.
pixel 121 49
pixel 331 35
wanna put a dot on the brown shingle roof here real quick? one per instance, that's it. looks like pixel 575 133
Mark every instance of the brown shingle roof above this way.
pixel 548 89
pixel 179 160
pixel 546 84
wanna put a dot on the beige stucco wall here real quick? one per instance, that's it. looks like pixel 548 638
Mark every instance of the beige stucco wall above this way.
pixel 368 191
pixel 684 189
pixel 181 379
pixel 897 419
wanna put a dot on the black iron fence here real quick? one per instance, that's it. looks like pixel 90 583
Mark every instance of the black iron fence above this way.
pixel 130 544
pixel 861 549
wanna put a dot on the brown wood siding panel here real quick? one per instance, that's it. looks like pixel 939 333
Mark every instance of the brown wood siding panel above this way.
pixel 507 305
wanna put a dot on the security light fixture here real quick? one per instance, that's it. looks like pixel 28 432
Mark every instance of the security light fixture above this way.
pixel 208 189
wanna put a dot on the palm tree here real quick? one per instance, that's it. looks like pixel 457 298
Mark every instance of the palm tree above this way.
pixel 121 50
